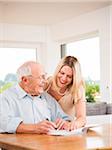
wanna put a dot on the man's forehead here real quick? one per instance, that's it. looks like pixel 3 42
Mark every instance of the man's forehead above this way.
pixel 37 69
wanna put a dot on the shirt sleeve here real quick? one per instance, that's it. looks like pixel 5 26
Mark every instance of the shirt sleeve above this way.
pixel 9 121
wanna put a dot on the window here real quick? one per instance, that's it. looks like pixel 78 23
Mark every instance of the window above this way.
pixel 10 60
pixel 88 53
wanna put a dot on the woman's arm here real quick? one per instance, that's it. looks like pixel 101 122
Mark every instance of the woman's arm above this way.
pixel 80 113
pixel 80 109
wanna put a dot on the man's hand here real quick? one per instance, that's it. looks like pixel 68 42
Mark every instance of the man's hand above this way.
pixel 42 127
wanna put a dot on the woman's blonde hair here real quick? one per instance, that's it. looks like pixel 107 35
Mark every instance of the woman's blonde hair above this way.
pixel 77 81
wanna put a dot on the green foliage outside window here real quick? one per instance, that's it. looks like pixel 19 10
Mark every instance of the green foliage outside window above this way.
pixel 6 86
pixel 8 81
pixel 92 91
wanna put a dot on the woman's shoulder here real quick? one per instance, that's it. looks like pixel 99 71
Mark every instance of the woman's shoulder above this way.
pixel 81 90
pixel 48 83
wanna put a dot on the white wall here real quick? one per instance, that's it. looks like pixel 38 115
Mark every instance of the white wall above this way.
pixel 22 33
pixel 100 21
pixel 24 36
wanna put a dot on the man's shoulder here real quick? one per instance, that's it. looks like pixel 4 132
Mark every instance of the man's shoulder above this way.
pixel 48 97
pixel 9 92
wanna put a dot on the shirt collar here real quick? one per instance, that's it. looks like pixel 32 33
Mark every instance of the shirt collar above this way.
pixel 21 93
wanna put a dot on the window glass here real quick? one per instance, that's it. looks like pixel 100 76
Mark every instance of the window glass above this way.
pixel 88 53
pixel 10 60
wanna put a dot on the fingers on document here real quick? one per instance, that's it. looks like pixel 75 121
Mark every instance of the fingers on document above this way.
pixel 51 124
pixel 59 123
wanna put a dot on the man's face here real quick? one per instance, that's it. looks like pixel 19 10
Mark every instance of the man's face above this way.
pixel 35 82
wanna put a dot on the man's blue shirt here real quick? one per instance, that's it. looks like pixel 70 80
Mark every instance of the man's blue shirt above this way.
pixel 17 106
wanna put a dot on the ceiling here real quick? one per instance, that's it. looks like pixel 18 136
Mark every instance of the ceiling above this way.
pixel 45 12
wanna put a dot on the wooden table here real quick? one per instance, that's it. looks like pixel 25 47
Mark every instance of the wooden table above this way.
pixel 99 138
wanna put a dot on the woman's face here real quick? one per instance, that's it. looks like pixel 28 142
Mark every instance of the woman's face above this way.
pixel 64 77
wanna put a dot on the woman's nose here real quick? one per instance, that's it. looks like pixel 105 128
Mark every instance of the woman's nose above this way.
pixel 64 77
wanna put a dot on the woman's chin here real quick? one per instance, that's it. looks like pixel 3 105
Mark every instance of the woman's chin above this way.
pixel 61 86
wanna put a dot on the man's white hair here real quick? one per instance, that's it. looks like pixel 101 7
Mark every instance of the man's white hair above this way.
pixel 24 70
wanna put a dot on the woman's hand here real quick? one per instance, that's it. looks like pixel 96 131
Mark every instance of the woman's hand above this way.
pixel 60 123
pixel 71 125
pixel 65 125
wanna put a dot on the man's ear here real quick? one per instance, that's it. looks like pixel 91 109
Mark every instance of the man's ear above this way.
pixel 24 79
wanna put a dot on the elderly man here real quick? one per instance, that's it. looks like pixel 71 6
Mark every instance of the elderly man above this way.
pixel 26 108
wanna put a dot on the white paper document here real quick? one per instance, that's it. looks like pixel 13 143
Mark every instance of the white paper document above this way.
pixel 73 132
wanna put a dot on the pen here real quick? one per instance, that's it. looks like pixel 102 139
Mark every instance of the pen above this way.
pixel 47 119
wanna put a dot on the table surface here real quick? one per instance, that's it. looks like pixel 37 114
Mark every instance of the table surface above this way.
pixel 97 138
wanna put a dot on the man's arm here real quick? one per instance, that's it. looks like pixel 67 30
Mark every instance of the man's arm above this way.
pixel 42 127
pixel 26 128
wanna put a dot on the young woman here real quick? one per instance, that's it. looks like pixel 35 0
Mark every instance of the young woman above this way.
pixel 67 87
